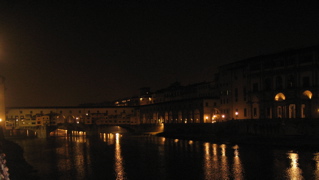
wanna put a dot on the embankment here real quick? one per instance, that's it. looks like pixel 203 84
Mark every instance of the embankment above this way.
pixel 18 167
pixel 278 132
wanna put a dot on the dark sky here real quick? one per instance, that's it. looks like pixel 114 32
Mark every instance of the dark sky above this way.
pixel 55 53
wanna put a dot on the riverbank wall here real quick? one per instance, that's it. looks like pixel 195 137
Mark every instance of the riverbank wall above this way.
pixel 261 131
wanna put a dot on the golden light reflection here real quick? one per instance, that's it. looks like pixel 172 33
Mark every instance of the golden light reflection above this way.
pixel 214 149
pixel 209 174
pixel 294 172
pixel 237 166
pixel 224 169
pixel 76 156
pixel 118 164
pixel 216 164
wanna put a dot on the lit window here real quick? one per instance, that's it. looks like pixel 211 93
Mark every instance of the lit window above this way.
pixel 280 97
pixel 308 94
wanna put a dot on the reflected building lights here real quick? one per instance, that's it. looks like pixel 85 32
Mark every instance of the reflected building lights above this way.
pixel 237 166
pixel 209 173
pixel 224 169
pixel 215 149
pixel 118 164
pixel 216 164
pixel 294 172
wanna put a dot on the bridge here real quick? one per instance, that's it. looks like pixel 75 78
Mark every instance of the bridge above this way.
pixel 93 129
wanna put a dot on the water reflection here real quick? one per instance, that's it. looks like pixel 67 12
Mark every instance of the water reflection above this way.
pixel 74 154
pixel 216 165
pixel 237 166
pixel 113 156
pixel 111 139
pixel 119 168
pixel 294 172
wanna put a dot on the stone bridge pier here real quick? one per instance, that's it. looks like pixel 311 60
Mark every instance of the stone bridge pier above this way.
pixel 42 132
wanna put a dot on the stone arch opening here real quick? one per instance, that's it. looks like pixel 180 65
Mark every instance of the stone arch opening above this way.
pixel 307 94
pixel 280 97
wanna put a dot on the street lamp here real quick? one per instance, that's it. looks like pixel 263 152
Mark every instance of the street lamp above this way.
pixel 236 113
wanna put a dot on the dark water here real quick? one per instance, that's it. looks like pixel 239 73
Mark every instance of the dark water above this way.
pixel 116 156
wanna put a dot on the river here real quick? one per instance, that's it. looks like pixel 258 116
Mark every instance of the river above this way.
pixel 124 156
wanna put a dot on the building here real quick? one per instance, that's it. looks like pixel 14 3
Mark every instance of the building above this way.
pixel 39 116
pixel 195 103
pixel 281 85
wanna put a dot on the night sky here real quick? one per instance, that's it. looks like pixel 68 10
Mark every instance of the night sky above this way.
pixel 64 53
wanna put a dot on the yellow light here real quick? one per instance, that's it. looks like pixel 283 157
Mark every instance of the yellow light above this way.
pixel 280 97
pixel 308 94
pixel 236 113
pixel 0 120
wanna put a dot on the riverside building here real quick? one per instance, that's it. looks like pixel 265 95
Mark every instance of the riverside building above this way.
pixel 280 85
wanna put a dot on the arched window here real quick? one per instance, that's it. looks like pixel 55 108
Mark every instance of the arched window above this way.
pixel 307 94
pixel 280 97
pixel 268 84
pixel 290 81
pixel 279 84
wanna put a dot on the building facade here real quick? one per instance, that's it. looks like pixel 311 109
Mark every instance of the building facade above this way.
pixel 281 85
pixel 39 116
pixel 195 103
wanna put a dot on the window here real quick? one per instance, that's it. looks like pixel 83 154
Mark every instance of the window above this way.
pixel 305 58
pixel 279 82
pixel 245 94
pixel 306 81
pixel 255 87
pixel 267 84
pixel 236 94
pixel 255 111
pixel 290 81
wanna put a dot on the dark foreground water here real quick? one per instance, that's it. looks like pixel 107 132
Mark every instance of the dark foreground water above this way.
pixel 116 156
